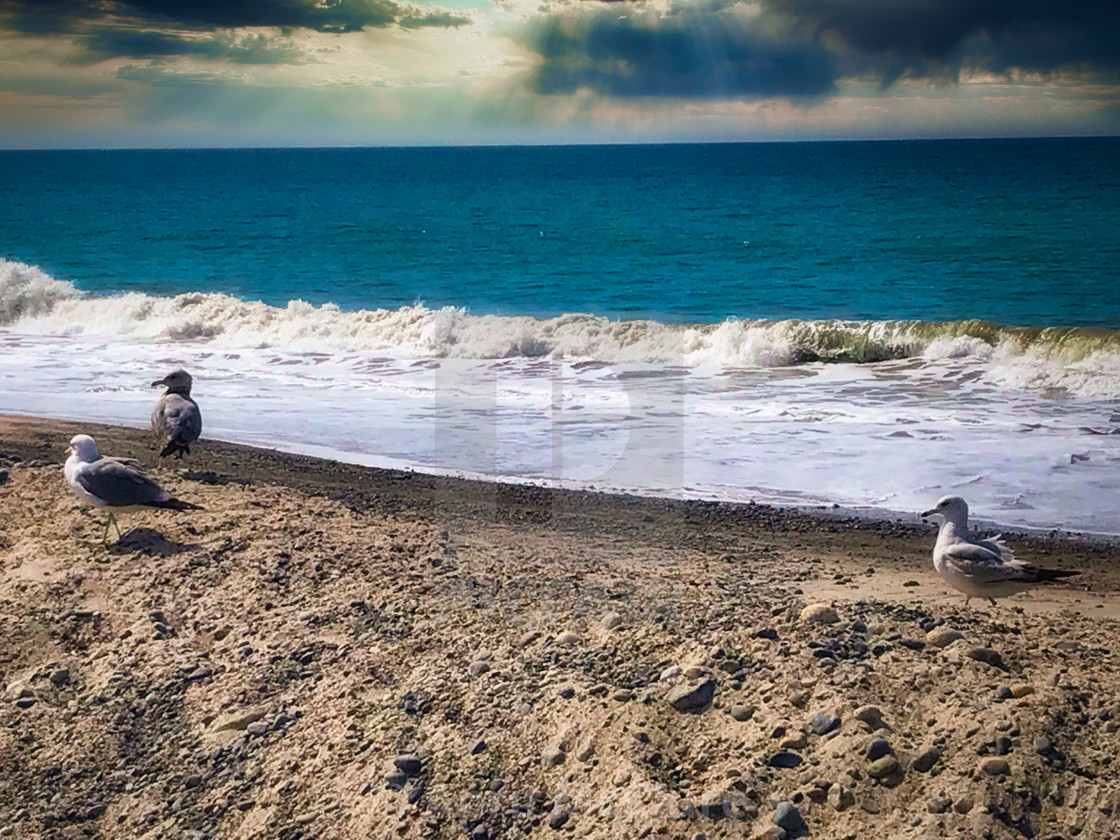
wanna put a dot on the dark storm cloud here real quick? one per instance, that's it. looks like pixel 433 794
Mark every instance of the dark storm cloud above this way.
pixel 800 48
pixel 145 28
pixel 252 49
pixel 696 51
pixel 938 37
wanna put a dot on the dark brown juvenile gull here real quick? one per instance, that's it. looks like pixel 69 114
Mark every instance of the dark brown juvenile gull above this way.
pixel 981 568
pixel 114 483
pixel 176 418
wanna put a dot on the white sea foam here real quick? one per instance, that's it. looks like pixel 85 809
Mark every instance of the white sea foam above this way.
pixel 1027 418
pixel 1084 362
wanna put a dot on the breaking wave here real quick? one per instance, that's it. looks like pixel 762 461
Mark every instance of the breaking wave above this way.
pixel 1085 361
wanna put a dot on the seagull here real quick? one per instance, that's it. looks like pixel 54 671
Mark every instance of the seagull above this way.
pixel 117 483
pixel 981 568
pixel 176 418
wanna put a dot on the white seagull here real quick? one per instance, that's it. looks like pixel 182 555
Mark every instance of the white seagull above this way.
pixel 176 418
pixel 981 568
pixel 114 483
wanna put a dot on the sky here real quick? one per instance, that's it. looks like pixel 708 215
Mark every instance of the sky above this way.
pixel 204 73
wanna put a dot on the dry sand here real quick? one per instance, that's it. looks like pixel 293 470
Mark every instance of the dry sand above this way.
pixel 331 651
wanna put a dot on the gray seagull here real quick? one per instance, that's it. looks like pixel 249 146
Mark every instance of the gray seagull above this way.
pixel 114 483
pixel 981 568
pixel 176 418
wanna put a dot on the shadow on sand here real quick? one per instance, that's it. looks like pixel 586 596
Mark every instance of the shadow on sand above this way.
pixel 149 542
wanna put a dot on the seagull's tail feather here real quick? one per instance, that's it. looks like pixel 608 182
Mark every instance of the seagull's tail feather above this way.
pixel 174 446
pixel 175 504
pixel 1043 575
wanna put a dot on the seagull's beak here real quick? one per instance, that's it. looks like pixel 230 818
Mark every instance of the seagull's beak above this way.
pixel 929 513
pixel 159 382
pixel 69 450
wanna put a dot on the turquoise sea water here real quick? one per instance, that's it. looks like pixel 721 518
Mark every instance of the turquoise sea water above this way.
pixel 1021 232
pixel 865 324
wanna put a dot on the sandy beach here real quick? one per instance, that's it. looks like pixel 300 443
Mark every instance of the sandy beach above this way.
pixel 331 651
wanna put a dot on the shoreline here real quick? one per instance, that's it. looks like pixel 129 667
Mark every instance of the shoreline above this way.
pixel 134 436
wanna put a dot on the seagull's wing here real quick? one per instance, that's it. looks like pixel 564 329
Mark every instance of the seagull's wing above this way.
pixel 984 563
pixel 180 420
pixel 119 484
pixel 997 545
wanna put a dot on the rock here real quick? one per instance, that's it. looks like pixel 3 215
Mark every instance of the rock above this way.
pixel 963 805
pixel 396 780
pixel 60 676
pixel 200 673
pixel 1043 745
pixel 623 695
pixel 925 760
pixel 567 692
pixel 610 621
pixel 741 712
pixel 839 797
pixel 871 715
pixel 238 720
pixel 552 757
pixel 258 727
pixel 409 764
pixel 25 702
pixel 988 657
pixel 882 768
pixel 877 749
pixel 558 817
pixel 995 766
pixel 773 832
pixel 796 741
pixel 670 673
pixel 823 723
pixel 938 805
pixel 693 699
pixel 479 667
pixel 787 817
pixel 586 754
pixel 784 759
pixel 1003 745
pixel 768 633
pixel 940 637
pixel 1021 690
pixel 567 638
pixel 478 746
pixel 819 614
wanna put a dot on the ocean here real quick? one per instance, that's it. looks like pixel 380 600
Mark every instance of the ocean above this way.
pixel 868 325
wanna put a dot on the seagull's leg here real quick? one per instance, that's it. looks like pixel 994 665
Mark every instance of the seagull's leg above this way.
pixel 992 601
pixel 105 533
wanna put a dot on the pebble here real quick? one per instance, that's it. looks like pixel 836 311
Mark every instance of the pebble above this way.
pixel 567 638
pixel 479 667
pixel 988 657
pixel 1043 745
pixel 478 747
pixel 819 614
pixel 258 727
pixel 199 673
pixel 823 723
pixel 925 760
pixel 741 712
pixel 558 817
pixel 796 741
pixel 881 768
pixel 995 766
pixel 610 621
pixel 787 817
pixel 877 749
pixel 871 715
pixel 670 673
pixel 552 756
pixel 61 676
pixel 938 805
pixel 409 763
pixel 839 797
pixel 696 698
pixel 963 805
pixel 567 692
pixel 784 759
pixel 1021 690
pixel 25 702
pixel 940 637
